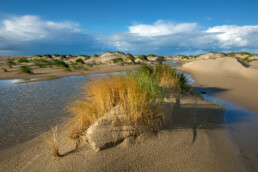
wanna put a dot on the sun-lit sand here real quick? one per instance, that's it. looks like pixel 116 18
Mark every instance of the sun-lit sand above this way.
pixel 194 137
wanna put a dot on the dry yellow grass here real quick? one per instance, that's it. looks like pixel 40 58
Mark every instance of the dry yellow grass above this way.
pixel 135 93
pixel 51 140
pixel 168 77
pixel 102 94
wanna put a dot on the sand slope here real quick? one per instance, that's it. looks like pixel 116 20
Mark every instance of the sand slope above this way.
pixel 233 82
pixel 194 139
pixel 225 65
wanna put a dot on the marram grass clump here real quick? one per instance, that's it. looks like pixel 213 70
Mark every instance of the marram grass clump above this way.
pixel 26 69
pixel 138 93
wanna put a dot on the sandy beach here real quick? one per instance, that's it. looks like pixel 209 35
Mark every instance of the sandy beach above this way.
pixel 187 143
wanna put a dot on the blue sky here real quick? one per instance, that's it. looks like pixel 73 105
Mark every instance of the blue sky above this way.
pixel 145 26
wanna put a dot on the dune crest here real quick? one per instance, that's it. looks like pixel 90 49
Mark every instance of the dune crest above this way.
pixel 225 65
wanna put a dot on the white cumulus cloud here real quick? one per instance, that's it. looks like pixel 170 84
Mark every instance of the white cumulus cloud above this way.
pixel 168 37
pixel 161 27
pixel 29 34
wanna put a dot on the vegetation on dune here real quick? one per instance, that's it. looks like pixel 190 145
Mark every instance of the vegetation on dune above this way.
pixel 185 57
pixel 26 69
pixel 4 69
pixel 60 63
pixel 243 62
pixel 68 70
pixel 117 60
pixel 47 55
pixel 161 58
pixel 79 60
pixel 89 64
pixel 40 65
pixel 10 63
pixel 52 142
pixel 142 57
pixel 96 55
pixel 23 60
pixel 135 92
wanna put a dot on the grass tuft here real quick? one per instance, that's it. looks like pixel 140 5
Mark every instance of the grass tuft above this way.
pixel 10 63
pixel 60 63
pixel 4 69
pixel 79 60
pixel 26 69
pixel 51 141
pixel 137 93
pixel 23 60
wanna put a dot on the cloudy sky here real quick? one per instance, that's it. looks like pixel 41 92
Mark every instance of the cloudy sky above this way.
pixel 164 27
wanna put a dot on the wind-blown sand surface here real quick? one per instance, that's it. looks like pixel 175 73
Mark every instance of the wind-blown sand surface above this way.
pixel 193 139
pixel 229 79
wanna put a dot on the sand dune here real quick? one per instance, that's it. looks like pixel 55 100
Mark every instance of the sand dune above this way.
pixel 227 66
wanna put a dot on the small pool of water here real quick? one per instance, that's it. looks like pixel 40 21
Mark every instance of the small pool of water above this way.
pixel 29 109
pixel 172 63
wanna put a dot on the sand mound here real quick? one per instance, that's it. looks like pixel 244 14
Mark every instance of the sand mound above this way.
pixel 107 57
pixel 226 65
pixel 210 56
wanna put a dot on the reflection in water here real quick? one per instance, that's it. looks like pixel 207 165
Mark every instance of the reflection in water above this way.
pixel 172 63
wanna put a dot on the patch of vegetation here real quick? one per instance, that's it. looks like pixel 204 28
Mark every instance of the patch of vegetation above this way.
pixel 151 55
pixel 117 60
pixel 51 141
pixel 96 55
pixel 170 78
pixel 86 69
pixel 47 55
pixel 68 70
pixel 4 69
pixel 73 66
pixel 23 60
pixel 130 59
pixel 89 64
pixel 243 62
pixel 79 60
pixel 142 57
pixel 39 65
pixel 60 63
pixel 185 57
pixel 161 58
pixel 26 69
pixel 137 93
pixel 93 62
pixel 10 63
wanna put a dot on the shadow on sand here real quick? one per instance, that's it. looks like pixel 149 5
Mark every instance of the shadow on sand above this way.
pixel 191 111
